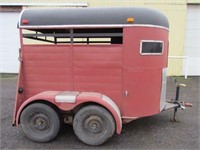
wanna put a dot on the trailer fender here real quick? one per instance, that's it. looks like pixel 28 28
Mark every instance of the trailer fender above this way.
pixel 115 112
pixel 65 103
pixel 48 96
pixel 104 101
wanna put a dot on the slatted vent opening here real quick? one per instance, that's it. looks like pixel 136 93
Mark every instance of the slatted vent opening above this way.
pixel 74 36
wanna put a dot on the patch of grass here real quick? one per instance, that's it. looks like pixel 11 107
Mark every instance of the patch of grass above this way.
pixel 8 75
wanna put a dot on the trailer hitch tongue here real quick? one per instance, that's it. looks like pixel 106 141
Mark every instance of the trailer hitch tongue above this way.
pixel 181 104
pixel 186 104
pixel 182 107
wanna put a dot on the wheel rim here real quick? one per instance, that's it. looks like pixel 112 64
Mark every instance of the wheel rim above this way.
pixel 39 121
pixel 94 124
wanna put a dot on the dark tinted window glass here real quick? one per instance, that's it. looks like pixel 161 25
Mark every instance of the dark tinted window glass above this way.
pixel 152 47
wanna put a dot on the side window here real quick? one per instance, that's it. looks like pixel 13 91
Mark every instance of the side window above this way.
pixel 74 36
pixel 98 36
pixel 151 47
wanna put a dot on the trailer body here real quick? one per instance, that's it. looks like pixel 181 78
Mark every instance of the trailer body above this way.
pixel 116 62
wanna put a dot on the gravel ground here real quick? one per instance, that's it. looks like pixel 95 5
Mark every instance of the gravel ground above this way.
pixel 155 132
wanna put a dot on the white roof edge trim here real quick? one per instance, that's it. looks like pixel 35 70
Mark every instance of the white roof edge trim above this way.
pixel 46 4
pixel 90 26
pixel 20 16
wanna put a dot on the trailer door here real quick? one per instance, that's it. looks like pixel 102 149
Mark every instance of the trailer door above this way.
pixel 142 74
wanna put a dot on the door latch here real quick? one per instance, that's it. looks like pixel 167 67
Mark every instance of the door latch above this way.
pixel 126 93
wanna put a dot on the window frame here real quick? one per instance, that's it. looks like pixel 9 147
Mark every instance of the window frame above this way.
pixel 152 41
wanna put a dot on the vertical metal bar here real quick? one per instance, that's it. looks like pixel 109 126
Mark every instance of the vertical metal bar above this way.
pixel 177 92
pixel 55 40
pixel 36 34
pixel 71 36
pixel 72 55
pixel 176 108
pixel 186 68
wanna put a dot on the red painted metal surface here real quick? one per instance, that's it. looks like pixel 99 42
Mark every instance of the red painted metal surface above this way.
pixel 108 69
pixel 47 68
pixel 93 69
pixel 142 74
pixel 98 68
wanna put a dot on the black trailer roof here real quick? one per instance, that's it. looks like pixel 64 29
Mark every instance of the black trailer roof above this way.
pixel 83 17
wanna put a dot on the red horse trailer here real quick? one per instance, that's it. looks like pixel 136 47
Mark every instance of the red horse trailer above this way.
pixel 94 68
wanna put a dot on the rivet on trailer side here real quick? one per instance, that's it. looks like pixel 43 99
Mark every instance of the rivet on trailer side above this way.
pixel 91 70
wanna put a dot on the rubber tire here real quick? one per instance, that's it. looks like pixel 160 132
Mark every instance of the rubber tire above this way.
pixel 92 138
pixel 37 135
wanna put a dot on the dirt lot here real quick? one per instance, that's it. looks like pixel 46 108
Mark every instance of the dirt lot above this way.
pixel 155 132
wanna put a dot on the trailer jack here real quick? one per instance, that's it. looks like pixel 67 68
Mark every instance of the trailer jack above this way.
pixel 180 104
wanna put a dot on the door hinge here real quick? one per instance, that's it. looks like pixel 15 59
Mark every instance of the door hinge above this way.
pixel 20 55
